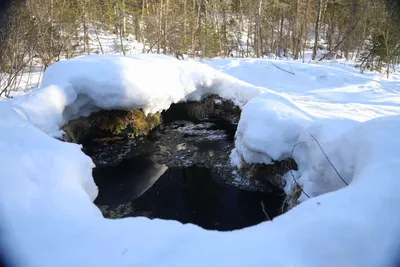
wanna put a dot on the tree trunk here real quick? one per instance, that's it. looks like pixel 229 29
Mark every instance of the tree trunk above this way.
pixel 280 44
pixel 160 26
pixel 86 48
pixel 258 30
pixel 166 27
pixel 315 48
pixel 351 25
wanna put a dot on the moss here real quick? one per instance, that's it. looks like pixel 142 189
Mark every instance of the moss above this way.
pixel 111 124
pixel 197 110
pixel 211 106
pixel 120 211
pixel 129 124
pixel 271 178
pixel 269 175
pixel 142 124
pixel 76 130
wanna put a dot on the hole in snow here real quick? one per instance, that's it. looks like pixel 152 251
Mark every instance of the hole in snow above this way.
pixel 140 187
pixel 161 178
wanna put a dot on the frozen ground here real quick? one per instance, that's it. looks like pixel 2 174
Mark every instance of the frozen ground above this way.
pixel 46 189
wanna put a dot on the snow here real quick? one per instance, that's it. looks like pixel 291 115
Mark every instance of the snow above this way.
pixel 82 85
pixel 273 116
pixel 314 104
pixel 323 90
pixel 47 189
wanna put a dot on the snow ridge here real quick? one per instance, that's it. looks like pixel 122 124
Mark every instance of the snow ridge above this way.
pixel 46 186
pixel 82 85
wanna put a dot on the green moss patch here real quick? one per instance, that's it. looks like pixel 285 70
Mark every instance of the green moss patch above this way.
pixel 121 211
pixel 111 124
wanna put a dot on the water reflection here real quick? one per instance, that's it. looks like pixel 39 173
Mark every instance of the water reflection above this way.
pixel 128 180
pixel 190 195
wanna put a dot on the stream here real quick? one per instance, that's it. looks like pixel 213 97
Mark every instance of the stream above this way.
pixel 182 172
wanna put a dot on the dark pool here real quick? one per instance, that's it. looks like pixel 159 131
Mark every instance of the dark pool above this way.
pixel 189 194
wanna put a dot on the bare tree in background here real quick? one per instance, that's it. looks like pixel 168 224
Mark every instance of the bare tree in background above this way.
pixel 315 47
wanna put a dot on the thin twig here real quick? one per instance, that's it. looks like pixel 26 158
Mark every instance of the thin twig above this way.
pixel 294 178
pixel 329 160
pixel 264 211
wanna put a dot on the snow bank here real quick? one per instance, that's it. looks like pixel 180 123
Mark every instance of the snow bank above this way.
pixel 46 195
pixel 323 91
pixel 310 106
pixel 268 128
pixel 46 187
pixel 79 86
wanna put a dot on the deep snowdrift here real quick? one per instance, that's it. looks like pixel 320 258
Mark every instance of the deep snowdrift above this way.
pixel 312 106
pixel 82 85
pixel 46 189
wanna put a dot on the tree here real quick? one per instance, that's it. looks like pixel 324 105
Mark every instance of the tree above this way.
pixel 314 54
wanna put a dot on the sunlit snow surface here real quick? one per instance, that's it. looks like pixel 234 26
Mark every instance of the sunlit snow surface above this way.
pixel 46 189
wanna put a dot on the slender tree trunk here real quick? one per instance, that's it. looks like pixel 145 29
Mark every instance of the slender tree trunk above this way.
pixel 165 41
pixel 123 18
pixel 184 21
pixel 295 33
pixel 258 30
pixel 315 48
pixel 351 25
pixel 280 40
pixel 86 48
pixel 160 26
pixel 249 29
pixel 197 28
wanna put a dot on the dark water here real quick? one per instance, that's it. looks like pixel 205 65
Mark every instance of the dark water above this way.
pixel 190 195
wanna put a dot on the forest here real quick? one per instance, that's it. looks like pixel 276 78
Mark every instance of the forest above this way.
pixel 46 31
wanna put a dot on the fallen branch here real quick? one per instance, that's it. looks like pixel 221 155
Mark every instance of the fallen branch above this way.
pixel 264 211
pixel 276 66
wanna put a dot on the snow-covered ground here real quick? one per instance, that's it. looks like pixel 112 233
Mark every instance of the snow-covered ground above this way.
pixel 46 189
pixel 323 104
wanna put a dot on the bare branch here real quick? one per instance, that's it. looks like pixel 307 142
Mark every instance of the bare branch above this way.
pixel 276 66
